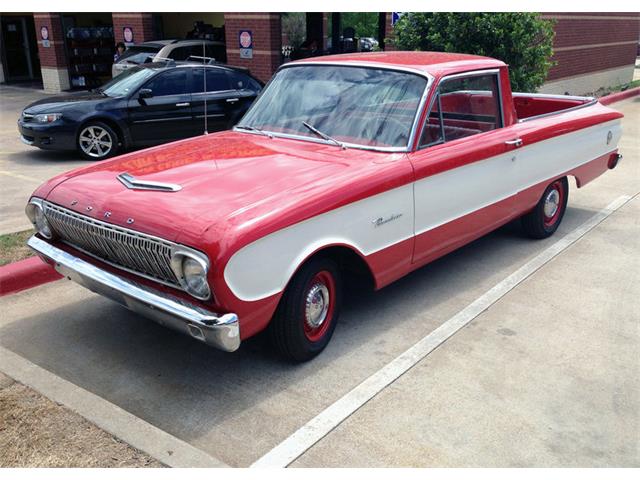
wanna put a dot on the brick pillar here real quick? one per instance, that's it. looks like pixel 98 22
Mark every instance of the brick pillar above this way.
pixel 389 41
pixel 266 30
pixel 53 58
pixel 140 23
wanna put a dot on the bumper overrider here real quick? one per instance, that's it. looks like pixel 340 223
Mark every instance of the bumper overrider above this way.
pixel 220 331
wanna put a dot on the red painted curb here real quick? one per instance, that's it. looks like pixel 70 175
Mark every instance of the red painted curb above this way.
pixel 24 274
pixel 616 97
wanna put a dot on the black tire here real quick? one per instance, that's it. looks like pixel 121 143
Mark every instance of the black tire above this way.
pixel 290 331
pixel 107 142
pixel 539 223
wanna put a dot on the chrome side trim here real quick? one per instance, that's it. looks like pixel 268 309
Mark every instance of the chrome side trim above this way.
pixel 133 183
pixel 220 331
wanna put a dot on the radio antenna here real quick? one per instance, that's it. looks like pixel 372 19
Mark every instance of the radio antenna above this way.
pixel 204 77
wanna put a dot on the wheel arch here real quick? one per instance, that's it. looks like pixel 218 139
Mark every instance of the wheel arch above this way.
pixel 348 258
pixel 117 126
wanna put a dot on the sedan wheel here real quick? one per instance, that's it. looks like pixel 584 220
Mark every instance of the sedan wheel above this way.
pixel 97 141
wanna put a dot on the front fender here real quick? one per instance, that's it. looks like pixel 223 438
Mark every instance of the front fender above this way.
pixel 263 268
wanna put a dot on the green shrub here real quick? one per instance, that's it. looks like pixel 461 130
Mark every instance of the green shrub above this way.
pixel 522 40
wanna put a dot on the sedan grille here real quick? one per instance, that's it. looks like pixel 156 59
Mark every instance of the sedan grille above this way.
pixel 134 252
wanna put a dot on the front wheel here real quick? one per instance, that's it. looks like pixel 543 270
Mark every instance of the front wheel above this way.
pixel 97 141
pixel 306 317
pixel 544 219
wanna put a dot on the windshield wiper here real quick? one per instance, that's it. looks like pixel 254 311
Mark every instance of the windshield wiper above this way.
pixel 254 129
pixel 324 135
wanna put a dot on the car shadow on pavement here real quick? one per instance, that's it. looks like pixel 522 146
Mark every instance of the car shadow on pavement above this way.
pixel 36 156
pixel 202 395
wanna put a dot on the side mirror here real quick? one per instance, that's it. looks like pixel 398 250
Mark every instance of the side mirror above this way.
pixel 145 93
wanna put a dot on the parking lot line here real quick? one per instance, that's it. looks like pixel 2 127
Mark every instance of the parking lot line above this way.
pixel 317 428
pixel 19 176
pixel 157 443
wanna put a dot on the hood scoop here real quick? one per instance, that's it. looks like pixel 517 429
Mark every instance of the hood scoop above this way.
pixel 133 183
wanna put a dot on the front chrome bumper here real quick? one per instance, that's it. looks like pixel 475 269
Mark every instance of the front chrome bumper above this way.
pixel 222 332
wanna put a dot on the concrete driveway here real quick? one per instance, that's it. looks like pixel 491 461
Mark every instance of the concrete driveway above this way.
pixel 547 376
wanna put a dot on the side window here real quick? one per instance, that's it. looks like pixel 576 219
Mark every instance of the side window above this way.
pixel 172 82
pixel 182 53
pixel 464 106
pixel 217 52
pixel 217 80
pixel 240 81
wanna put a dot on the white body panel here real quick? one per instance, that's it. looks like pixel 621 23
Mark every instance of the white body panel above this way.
pixel 264 267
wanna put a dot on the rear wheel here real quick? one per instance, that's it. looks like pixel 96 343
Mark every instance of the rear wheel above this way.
pixel 544 219
pixel 306 317
pixel 97 141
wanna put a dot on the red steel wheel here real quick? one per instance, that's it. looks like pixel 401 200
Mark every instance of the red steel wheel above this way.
pixel 319 305
pixel 553 199
pixel 544 219
pixel 308 311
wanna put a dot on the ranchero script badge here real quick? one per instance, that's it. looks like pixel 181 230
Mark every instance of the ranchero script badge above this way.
pixel 378 222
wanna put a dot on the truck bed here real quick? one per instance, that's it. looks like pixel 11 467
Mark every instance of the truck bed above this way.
pixel 533 105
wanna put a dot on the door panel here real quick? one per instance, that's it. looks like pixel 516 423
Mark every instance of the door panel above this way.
pixel 459 179
pixel 167 115
pixel 465 174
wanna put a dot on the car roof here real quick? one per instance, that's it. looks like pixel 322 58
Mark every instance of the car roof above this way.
pixel 194 41
pixel 433 63
pixel 193 64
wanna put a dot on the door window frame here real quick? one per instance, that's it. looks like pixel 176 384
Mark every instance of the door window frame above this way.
pixel 188 82
pixel 436 94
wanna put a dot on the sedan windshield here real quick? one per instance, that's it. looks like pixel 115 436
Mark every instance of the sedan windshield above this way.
pixel 127 81
pixel 354 105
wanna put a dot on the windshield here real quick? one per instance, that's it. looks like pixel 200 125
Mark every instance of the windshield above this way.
pixel 137 58
pixel 137 50
pixel 127 81
pixel 355 105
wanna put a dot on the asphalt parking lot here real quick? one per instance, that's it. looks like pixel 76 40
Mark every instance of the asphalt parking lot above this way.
pixel 549 375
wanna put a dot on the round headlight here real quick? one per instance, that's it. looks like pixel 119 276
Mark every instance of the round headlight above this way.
pixel 194 274
pixel 42 224
pixel 36 215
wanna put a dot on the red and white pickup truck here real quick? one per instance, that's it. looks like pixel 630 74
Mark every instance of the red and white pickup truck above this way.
pixel 369 163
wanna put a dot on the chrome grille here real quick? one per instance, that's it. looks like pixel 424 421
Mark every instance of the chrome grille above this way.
pixel 135 252
pixel 27 117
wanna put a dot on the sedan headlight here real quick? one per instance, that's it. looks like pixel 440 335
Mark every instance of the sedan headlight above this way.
pixel 191 268
pixel 47 117
pixel 35 212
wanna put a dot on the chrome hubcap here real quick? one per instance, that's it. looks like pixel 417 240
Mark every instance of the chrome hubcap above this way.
pixel 316 305
pixel 551 203
pixel 95 141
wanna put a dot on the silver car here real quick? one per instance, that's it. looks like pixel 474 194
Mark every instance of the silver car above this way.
pixel 161 50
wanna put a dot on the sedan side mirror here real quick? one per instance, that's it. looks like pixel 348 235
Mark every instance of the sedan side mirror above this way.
pixel 145 93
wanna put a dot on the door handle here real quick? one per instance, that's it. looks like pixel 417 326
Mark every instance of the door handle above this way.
pixel 232 100
pixel 183 104
pixel 516 142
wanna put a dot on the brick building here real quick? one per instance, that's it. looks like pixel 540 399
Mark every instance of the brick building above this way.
pixel 592 50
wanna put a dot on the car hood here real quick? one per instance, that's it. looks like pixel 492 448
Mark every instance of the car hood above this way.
pixel 56 102
pixel 229 180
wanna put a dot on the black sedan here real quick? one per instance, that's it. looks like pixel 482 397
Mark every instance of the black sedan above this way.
pixel 146 105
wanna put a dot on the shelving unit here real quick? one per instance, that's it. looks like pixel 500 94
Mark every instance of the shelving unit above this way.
pixel 90 51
